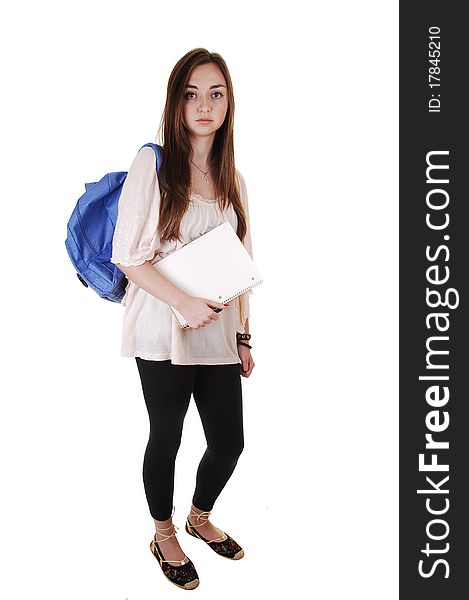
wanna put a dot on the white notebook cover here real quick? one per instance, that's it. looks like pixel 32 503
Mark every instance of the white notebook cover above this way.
pixel 215 266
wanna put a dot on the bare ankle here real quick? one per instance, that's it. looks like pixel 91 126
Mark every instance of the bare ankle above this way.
pixel 164 529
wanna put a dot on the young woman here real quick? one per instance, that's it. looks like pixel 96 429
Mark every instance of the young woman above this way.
pixel 197 188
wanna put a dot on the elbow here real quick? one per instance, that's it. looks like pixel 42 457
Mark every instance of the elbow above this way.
pixel 120 267
pixel 129 268
pixel 126 270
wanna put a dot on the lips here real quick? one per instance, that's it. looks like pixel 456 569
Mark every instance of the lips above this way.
pixel 204 120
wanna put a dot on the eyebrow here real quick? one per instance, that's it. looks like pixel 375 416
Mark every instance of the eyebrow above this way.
pixel 191 85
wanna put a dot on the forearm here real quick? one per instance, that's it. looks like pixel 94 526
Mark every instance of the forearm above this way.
pixel 148 278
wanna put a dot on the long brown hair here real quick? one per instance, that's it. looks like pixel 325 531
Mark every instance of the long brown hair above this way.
pixel 174 174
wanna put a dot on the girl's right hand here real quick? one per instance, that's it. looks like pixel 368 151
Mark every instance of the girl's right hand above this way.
pixel 199 312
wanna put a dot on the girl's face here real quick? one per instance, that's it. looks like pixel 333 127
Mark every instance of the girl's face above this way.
pixel 205 97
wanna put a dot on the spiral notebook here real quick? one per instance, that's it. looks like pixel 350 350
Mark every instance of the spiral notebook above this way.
pixel 215 266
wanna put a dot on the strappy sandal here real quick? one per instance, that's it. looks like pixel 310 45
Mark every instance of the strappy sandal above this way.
pixel 185 575
pixel 225 545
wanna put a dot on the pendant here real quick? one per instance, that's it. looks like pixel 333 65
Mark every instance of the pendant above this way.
pixel 205 177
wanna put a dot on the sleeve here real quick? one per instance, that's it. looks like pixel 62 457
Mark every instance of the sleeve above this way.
pixel 135 238
pixel 244 298
pixel 244 199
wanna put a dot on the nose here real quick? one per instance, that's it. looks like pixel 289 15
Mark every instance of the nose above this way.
pixel 204 104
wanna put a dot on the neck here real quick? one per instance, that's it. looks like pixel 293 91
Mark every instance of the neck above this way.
pixel 201 149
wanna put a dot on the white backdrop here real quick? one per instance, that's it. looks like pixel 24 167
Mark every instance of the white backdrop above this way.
pixel 314 498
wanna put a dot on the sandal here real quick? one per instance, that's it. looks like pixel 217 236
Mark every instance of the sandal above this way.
pixel 185 575
pixel 224 545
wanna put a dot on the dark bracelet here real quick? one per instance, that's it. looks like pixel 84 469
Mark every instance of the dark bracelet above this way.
pixel 243 336
pixel 244 344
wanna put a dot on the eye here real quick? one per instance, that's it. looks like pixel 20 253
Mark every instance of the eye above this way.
pixel 193 94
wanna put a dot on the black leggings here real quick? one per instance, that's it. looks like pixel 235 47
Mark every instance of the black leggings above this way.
pixel 167 390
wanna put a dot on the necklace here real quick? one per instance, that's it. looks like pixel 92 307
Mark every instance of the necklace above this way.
pixel 204 172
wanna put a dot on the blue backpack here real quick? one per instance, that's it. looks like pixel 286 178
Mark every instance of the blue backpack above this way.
pixel 90 230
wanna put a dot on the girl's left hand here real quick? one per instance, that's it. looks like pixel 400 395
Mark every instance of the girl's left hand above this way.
pixel 247 363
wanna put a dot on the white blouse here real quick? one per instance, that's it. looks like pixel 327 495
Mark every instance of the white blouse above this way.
pixel 150 330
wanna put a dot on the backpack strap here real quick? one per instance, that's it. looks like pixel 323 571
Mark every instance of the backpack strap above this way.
pixel 158 152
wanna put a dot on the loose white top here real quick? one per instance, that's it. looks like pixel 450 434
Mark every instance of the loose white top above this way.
pixel 150 329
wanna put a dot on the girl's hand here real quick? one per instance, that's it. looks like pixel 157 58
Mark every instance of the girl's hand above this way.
pixel 247 363
pixel 199 312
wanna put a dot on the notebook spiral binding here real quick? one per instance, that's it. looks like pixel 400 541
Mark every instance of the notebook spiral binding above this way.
pixel 245 290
